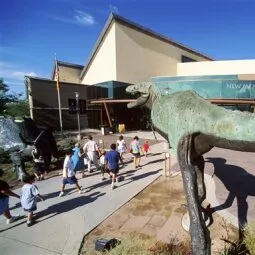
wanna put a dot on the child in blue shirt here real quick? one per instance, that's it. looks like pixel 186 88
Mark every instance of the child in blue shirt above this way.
pixel 112 159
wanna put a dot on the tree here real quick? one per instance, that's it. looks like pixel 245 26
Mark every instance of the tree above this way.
pixel 6 98
pixel 18 109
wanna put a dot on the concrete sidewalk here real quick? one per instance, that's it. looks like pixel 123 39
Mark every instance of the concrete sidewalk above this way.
pixel 63 221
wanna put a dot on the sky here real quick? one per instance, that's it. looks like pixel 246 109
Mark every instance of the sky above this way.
pixel 32 31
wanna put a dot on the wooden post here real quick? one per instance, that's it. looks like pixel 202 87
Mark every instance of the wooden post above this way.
pixel 167 167
pixel 108 115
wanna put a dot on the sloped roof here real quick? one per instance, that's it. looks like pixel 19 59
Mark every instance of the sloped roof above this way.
pixel 64 67
pixel 117 18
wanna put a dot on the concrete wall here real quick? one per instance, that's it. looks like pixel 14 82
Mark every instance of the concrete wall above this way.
pixel 216 68
pixel 141 56
pixel 103 65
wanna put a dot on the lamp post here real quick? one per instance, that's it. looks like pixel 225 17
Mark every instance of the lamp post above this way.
pixel 78 115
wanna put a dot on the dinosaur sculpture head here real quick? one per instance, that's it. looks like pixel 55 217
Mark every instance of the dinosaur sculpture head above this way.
pixel 144 89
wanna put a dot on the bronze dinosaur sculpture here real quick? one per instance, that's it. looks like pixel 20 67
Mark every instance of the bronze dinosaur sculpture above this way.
pixel 20 137
pixel 194 126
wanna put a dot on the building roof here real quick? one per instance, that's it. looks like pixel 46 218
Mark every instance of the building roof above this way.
pixel 62 64
pixel 114 17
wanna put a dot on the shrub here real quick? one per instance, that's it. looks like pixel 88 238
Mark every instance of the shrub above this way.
pixel 249 237
pixel 139 244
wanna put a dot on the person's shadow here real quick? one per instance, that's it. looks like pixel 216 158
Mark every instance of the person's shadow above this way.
pixel 240 185
pixel 59 208
pixel 68 205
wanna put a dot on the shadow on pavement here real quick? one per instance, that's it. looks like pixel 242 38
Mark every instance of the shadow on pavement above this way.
pixel 14 225
pixel 240 185
pixel 67 205
pixel 140 176
pixel 153 162
pixel 154 154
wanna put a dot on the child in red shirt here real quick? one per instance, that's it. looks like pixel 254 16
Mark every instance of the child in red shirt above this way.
pixel 146 148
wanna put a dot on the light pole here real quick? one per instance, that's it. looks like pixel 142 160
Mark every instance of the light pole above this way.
pixel 78 114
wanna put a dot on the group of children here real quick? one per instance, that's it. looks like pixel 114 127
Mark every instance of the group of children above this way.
pixel 75 160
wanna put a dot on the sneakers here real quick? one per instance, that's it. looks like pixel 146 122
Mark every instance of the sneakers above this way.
pixel 12 219
pixel 61 194
pixel 112 186
pixel 29 223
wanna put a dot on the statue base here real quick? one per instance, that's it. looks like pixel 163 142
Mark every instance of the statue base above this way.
pixel 186 221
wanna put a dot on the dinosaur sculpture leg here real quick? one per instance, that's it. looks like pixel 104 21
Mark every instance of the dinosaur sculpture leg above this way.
pixel 200 236
pixel 199 165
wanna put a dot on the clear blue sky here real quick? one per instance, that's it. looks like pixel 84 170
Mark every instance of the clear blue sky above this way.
pixel 33 30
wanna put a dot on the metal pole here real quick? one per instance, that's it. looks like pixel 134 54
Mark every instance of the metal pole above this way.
pixel 60 113
pixel 78 114
pixel 59 101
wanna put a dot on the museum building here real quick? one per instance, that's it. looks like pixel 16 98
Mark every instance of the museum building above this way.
pixel 126 53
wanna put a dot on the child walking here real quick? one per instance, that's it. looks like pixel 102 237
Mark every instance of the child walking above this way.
pixel 102 166
pixel 39 169
pixel 5 193
pixel 146 148
pixel 112 159
pixel 68 173
pixel 29 194
pixel 121 146
pixel 78 159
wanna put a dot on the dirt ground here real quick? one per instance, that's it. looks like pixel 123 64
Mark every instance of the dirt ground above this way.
pixel 164 202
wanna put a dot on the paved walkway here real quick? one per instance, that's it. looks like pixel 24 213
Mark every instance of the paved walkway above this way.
pixel 63 222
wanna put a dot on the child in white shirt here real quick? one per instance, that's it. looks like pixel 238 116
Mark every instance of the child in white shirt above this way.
pixel 104 169
pixel 121 146
pixel 68 173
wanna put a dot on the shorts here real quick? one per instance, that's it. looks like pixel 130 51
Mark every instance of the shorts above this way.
pixel 34 208
pixel 4 204
pixel 70 180
pixel 114 170
pixel 136 155
pixel 39 168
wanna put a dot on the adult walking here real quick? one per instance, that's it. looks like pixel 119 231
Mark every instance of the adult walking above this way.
pixel 91 149
pixel 135 148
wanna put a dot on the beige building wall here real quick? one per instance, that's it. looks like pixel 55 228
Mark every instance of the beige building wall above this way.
pixel 103 65
pixel 216 68
pixel 69 74
pixel 141 56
